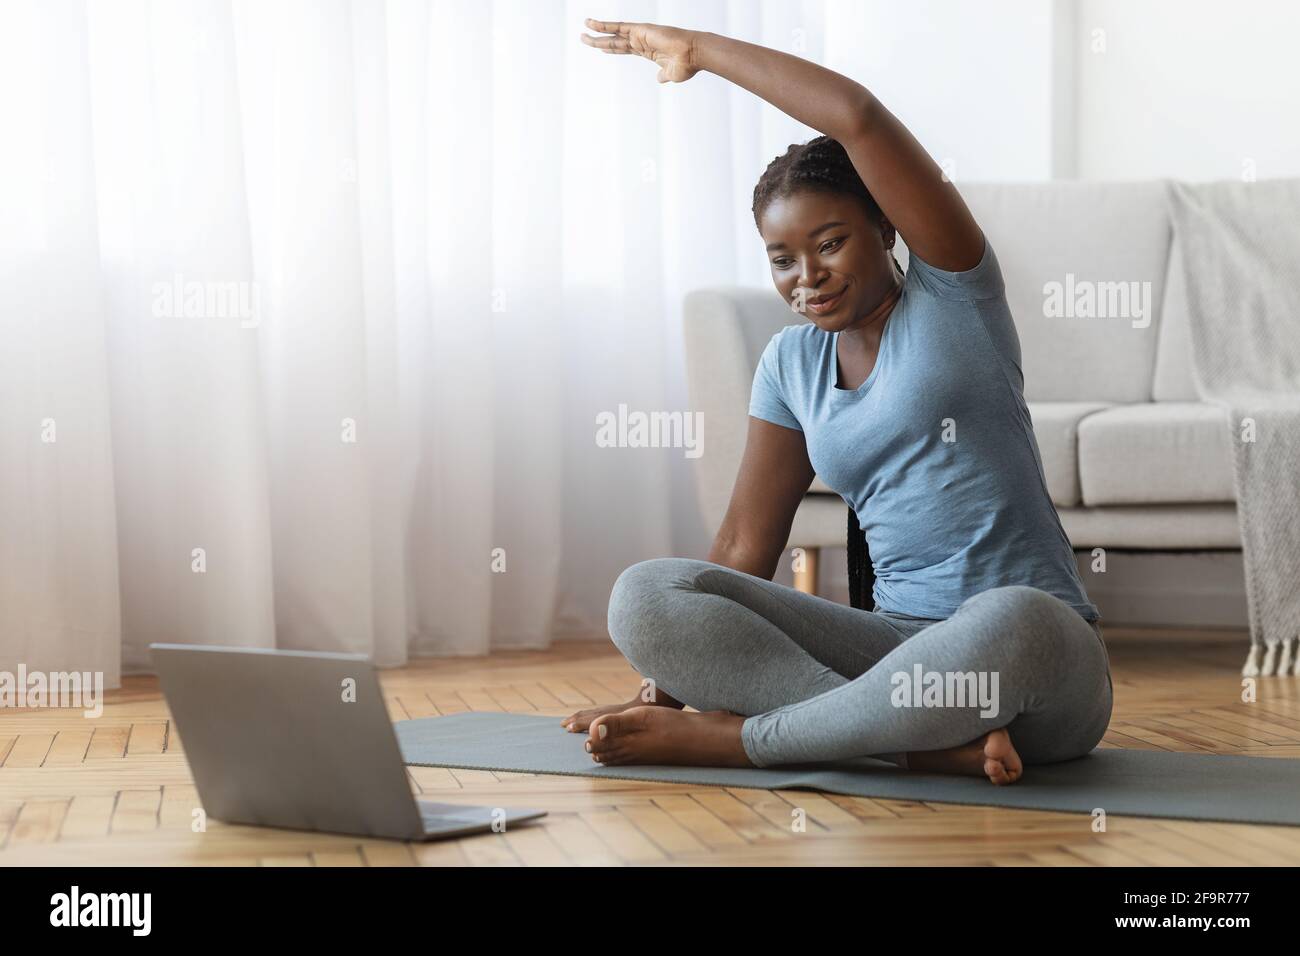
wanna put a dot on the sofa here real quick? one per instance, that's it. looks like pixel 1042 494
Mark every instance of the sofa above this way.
pixel 1134 462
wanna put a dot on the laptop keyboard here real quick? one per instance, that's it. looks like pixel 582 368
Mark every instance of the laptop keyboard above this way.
pixel 451 813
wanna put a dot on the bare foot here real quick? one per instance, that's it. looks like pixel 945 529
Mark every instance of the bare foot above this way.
pixel 581 721
pixel 661 735
pixel 991 756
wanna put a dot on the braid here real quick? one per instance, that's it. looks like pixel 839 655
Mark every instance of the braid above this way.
pixel 819 164
pixel 862 577
pixel 822 164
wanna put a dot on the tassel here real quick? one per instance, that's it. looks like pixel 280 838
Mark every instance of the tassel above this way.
pixel 1284 662
pixel 1251 667
pixel 1269 667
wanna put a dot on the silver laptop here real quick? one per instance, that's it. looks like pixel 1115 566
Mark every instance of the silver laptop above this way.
pixel 301 740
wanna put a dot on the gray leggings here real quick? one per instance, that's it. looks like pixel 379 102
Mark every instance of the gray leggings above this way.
pixel 822 681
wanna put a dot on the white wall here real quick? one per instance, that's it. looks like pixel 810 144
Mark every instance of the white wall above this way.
pixel 1023 90
pixel 1187 89
pixel 974 82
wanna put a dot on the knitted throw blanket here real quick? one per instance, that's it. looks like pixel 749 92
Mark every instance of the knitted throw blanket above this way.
pixel 1240 244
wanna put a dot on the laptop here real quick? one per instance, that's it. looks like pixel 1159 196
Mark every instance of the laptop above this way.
pixel 302 740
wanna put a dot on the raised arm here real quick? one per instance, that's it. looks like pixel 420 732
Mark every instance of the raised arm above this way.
pixel 909 186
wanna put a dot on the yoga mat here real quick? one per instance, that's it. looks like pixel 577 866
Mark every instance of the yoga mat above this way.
pixel 1144 783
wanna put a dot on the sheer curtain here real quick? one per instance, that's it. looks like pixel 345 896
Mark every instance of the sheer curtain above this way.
pixel 309 310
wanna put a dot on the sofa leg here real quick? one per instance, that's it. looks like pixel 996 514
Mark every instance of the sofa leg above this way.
pixel 805 570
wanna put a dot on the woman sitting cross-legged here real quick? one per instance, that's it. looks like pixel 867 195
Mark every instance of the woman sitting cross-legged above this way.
pixel 983 654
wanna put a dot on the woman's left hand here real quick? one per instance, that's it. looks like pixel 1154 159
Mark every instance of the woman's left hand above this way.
pixel 670 48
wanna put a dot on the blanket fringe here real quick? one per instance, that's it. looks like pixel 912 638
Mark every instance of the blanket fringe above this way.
pixel 1268 668
pixel 1280 659
pixel 1251 667
pixel 1285 662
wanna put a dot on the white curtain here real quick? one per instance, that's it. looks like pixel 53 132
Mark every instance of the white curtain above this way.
pixel 308 310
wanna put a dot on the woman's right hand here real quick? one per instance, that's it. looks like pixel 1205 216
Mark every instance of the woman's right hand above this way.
pixel 669 48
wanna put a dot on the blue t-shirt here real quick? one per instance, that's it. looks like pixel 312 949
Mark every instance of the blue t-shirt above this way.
pixel 935 452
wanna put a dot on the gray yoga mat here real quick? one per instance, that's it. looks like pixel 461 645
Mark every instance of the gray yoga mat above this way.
pixel 1144 783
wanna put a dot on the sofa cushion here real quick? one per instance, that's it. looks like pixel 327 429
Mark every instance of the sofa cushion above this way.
pixel 1156 453
pixel 1152 527
pixel 1192 527
pixel 1173 379
pixel 1056 429
pixel 1069 244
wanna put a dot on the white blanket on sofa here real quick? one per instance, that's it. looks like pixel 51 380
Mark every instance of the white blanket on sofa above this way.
pixel 1241 249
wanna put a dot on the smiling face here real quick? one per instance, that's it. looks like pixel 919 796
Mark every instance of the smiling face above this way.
pixel 827 251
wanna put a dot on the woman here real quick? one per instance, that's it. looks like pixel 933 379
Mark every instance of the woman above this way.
pixel 904 393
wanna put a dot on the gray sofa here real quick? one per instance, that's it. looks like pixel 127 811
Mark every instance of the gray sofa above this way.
pixel 1133 460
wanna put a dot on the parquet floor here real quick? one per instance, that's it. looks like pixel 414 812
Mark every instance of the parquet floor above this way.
pixel 118 791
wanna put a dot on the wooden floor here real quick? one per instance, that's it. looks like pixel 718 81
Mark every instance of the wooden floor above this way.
pixel 117 790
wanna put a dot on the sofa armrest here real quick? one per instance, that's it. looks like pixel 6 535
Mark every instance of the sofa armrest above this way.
pixel 725 331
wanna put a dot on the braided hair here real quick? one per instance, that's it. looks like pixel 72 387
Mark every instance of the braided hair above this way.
pixel 822 164
pixel 862 576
